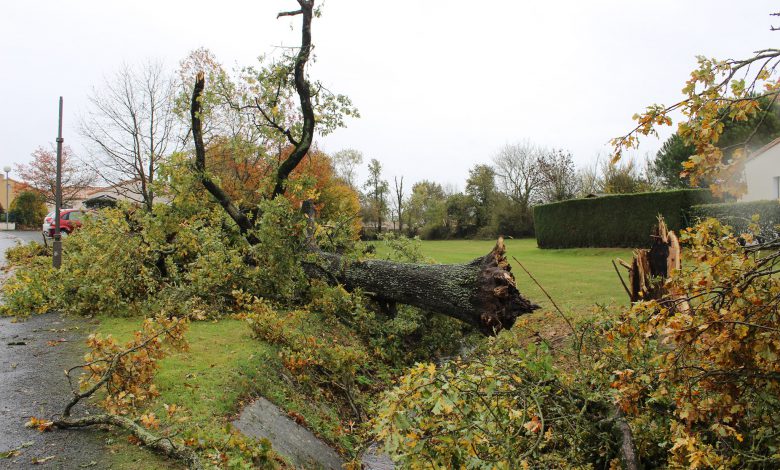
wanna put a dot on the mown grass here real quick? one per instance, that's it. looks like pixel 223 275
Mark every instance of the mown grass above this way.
pixel 223 369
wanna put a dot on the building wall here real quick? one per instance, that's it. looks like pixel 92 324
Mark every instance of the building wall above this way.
pixel 14 188
pixel 761 175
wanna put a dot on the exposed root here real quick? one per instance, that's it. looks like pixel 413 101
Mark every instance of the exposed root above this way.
pixel 498 295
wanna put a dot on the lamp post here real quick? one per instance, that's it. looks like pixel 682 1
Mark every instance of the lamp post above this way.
pixel 7 169
pixel 57 244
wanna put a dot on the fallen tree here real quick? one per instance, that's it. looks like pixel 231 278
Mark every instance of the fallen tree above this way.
pixel 482 293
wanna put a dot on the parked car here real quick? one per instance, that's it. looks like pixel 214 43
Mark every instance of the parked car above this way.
pixel 70 220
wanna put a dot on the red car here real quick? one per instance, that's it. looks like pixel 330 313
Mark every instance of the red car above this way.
pixel 70 220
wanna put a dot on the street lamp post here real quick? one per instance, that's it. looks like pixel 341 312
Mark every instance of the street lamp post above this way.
pixel 57 244
pixel 7 169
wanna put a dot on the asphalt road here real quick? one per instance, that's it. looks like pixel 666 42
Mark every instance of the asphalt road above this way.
pixel 33 355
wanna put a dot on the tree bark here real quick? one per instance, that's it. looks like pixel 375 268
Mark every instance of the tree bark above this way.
pixel 481 293
pixel 650 269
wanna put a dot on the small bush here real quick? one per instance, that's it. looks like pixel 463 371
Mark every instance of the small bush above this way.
pixel 623 220
pixel 23 254
pixel 34 289
pixel 28 208
pixel 311 357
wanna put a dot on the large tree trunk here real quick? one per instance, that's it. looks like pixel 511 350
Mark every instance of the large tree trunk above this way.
pixel 481 293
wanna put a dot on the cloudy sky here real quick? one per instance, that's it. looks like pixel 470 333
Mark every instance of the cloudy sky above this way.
pixel 441 85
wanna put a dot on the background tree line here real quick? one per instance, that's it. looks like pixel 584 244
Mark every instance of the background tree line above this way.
pixel 498 198
pixel 137 121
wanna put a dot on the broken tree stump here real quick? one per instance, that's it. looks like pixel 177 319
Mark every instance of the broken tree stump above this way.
pixel 650 269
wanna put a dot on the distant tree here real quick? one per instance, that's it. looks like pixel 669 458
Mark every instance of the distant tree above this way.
pixel 519 172
pixel 41 175
pixel 426 209
pixel 623 178
pixel 460 214
pixel 508 218
pixel 398 202
pixel 589 178
pixel 751 133
pixel 376 193
pixel 346 162
pixel 335 201
pixel 560 176
pixel 481 188
pixel 132 128
pixel 29 208
pixel 667 164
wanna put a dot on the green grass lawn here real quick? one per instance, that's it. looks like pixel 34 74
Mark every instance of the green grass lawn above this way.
pixel 223 368
pixel 575 278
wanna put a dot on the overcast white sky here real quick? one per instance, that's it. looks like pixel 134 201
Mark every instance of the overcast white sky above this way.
pixel 441 85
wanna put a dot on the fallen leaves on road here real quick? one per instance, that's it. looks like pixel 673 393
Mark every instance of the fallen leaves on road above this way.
pixel 41 425
pixel 7 454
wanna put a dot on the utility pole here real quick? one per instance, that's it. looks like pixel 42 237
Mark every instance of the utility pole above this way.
pixel 7 170
pixel 57 245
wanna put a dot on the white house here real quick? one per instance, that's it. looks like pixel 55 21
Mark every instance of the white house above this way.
pixel 762 173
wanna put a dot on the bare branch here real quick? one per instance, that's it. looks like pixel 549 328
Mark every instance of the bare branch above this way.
pixel 304 94
pixel 243 222
pixel 289 13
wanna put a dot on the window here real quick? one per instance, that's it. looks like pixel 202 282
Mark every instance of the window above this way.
pixel 75 215
pixel 776 186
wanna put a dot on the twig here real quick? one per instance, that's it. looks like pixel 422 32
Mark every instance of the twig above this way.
pixel 162 444
pixel 563 315
pixel 620 276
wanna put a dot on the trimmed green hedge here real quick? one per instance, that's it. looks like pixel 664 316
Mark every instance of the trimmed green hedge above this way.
pixel 739 214
pixel 620 220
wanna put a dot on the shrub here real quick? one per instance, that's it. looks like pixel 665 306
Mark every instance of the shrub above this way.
pixel 739 215
pixel 32 289
pixel 310 356
pixel 28 208
pixel 22 254
pixel 505 407
pixel 615 220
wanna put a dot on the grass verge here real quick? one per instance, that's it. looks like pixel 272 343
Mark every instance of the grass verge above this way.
pixel 224 368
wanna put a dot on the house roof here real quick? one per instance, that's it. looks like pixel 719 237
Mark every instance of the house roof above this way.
pixel 763 149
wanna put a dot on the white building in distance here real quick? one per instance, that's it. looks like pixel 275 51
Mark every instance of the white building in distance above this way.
pixel 762 173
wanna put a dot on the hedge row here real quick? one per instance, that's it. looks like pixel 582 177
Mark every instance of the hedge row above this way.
pixel 621 220
pixel 739 214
